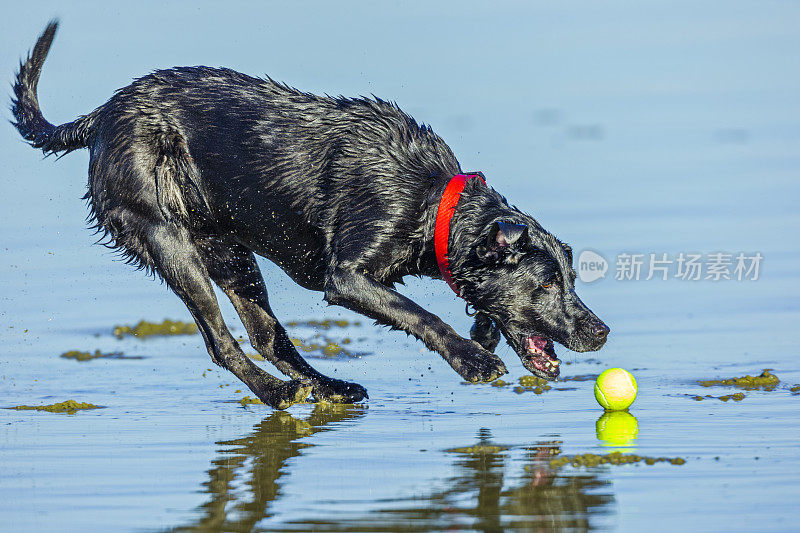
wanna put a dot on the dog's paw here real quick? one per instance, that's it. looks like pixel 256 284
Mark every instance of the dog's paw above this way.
pixel 480 366
pixel 287 394
pixel 338 391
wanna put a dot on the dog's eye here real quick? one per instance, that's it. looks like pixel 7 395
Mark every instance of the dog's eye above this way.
pixel 552 281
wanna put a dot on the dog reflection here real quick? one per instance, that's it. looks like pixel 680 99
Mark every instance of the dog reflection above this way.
pixel 539 499
pixel 256 462
pixel 489 492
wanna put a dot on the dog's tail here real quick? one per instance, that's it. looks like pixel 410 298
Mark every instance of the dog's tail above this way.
pixel 28 118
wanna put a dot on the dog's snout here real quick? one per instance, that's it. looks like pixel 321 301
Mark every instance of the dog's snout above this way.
pixel 600 331
pixel 591 335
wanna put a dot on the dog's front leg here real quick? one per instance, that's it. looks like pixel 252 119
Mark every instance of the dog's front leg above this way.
pixel 361 293
pixel 485 332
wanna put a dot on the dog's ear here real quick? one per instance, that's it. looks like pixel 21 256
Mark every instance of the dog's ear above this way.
pixel 503 237
pixel 568 251
pixel 509 235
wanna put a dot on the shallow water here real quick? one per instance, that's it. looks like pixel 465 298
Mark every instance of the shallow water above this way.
pixel 669 129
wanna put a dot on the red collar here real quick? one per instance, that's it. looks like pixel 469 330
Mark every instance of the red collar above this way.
pixel 441 233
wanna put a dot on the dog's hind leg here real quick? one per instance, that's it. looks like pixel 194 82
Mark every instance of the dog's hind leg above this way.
pixel 177 261
pixel 233 267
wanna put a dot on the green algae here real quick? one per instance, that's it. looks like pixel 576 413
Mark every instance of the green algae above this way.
pixel 247 400
pixel 614 458
pixel 69 407
pixel 299 396
pixel 537 385
pixel 535 390
pixel 147 329
pixel 332 349
pixel 478 449
pixel 766 381
pixel 78 355
pixel 86 356
pixel 319 344
pixel 532 381
pixel 327 348
pixel 328 407
pixel 736 397
pixel 326 323
pixel 322 346
pixel 527 383
pixel 795 389
pixel 532 384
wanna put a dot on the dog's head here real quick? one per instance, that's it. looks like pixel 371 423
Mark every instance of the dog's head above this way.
pixel 521 276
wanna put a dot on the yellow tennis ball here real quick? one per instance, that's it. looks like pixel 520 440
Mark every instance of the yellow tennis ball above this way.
pixel 617 428
pixel 615 389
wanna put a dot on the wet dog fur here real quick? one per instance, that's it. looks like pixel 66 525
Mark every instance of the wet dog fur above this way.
pixel 194 170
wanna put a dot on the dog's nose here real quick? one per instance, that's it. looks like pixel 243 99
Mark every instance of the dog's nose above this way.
pixel 601 330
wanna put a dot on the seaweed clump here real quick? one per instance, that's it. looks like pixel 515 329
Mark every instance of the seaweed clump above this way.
pixel 148 329
pixel 766 381
pixel 614 458
pixel 327 323
pixel 478 449
pixel 69 407
pixel 330 348
pixel 526 383
pixel 88 356
pixel 533 384
pixel 247 400
pixel 736 397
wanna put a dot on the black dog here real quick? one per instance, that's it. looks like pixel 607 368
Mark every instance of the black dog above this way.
pixel 193 170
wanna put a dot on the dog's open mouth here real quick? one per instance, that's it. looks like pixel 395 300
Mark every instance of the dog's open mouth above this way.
pixel 540 357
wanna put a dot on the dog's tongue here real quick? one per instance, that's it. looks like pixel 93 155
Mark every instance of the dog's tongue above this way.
pixel 541 359
pixel 536 344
